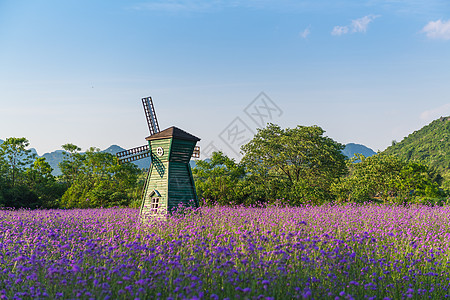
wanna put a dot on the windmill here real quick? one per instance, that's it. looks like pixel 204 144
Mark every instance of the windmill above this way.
pixel 169 181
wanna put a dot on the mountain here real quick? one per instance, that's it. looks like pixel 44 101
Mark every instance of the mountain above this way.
pixel 113 149
pixel 351 149
pixel 53 159
pixel 429 145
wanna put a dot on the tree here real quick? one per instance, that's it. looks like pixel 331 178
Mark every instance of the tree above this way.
pixel 219 180
pixel 40 181
pixel 3 170
pixel 298 164
pixel 389 179
pixel 16 157
pixel 97 180
pixel 26 181
pixel 72 163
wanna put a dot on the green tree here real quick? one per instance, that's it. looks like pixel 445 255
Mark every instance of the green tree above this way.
pixel 389 179
pixel 98 180
pixel 71 164
pixel 3 171
pixel 26 181
pixel 219 180
pixel 298 164
pixel 3 179
pixel 16 157
pixel 40 180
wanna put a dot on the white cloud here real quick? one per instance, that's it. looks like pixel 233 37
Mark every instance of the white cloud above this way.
pixel 358 25
pixel 339 30
pixel 435 113
pixel 304 34
pixel 437 30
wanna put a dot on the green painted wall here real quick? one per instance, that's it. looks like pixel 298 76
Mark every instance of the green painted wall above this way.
pixel 158 176
pixel 170 175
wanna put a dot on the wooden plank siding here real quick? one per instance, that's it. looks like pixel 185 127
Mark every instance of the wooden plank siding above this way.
pixel 158 177
pixel 170 174
pixel 182 150
pixel 181 188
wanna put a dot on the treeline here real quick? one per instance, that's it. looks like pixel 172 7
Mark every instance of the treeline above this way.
pixel 89 179
pixel 289 166
pixel 302 166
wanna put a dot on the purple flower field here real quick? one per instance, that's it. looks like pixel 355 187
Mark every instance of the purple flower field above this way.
pixel 327 252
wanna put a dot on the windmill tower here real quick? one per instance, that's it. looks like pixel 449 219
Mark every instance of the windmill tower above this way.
pixel 169 181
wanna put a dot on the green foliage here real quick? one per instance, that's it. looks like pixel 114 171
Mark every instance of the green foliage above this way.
pixel 299 164
pixel 389 179
pixel 20 196
pixel 219 180
pixel 15 158
pixel 296 165
pixel 430 146
pixel 96 179
pixel 91 179
pixel 3 173
pixel 40 180
pixel 24 180
pixel 71 164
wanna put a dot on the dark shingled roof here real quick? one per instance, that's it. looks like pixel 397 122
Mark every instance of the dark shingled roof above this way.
pixel 174 132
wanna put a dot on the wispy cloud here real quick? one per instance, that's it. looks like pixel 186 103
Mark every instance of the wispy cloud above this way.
pixel 357 25
pixel 305 33
pixel 360 25
pixel 437 112
pixel 410 7
pixel 437 30
pixel 339 30
pixel 176 5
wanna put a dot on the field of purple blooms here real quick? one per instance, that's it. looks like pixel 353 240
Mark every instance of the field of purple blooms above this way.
pixel 327 252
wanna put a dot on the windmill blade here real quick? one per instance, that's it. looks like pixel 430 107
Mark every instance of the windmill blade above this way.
pixel 150 114
pixel 196 153
pixel 133 154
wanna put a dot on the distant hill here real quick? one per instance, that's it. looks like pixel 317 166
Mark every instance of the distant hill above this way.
pixel 55 157
pixel 351 149
pixel 142 163
pixel 429 145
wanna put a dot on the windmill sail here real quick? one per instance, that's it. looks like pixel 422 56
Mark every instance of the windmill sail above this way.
pixel 150 114
pixel 133 154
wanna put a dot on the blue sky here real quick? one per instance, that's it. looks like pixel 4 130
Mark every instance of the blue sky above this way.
pixel 367 72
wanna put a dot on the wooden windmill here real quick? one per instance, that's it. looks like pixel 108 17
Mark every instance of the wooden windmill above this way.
pixel 169 181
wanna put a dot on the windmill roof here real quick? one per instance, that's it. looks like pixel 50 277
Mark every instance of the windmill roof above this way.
pixel 174 132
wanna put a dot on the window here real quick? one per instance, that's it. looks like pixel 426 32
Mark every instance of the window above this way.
pixel 154 205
